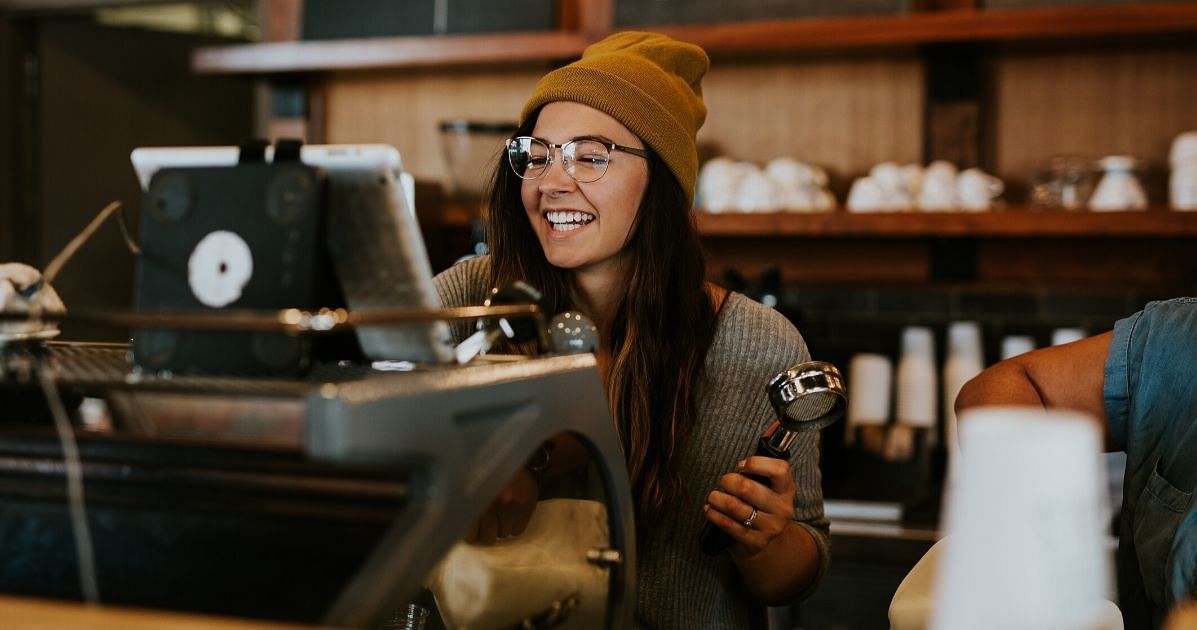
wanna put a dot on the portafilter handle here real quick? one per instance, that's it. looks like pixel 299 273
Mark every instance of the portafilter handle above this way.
pixel 807 397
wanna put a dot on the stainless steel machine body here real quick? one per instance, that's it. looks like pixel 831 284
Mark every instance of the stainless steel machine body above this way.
pixel 418 454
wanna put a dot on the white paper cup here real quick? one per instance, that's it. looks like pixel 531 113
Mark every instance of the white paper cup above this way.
pixel 917 385
pixel 870 383
pixel 1014 345
pixel 964 361
pixel 1061 336
pixel 1025 532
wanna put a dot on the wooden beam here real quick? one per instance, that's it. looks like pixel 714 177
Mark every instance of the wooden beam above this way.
pixel 591 20
pixel 388 52
pixel 935 27
pixel 946 5
pixel 1014 223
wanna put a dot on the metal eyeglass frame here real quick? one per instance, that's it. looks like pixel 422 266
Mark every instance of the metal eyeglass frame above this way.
pixel 609 146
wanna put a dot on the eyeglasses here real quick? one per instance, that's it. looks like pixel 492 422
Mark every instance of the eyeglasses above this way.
pixel 584 159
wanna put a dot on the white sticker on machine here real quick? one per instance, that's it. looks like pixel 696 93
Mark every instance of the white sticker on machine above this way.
pixel 219 268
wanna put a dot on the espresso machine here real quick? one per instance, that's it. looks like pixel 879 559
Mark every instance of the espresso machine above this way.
pixel 322 488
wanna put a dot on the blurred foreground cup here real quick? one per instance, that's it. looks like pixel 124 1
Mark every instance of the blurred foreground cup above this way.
pixel 1024 522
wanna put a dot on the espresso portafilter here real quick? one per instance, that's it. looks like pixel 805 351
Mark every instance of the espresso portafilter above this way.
pixel 807 397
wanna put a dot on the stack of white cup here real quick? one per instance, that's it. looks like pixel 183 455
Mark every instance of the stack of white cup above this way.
pixel 1014 345
pixel 964 361
pixel 870 383
pixel 1024 522
pixel 1061 336
pixel 915 391
pixel 1182 189
pixel 916 382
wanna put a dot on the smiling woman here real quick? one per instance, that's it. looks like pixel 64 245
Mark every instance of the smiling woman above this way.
pixel 591 205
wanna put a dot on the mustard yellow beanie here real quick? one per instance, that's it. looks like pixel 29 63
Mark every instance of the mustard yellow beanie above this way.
pixel 650 83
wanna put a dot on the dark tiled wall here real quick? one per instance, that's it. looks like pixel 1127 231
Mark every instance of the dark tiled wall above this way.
pixel 840 321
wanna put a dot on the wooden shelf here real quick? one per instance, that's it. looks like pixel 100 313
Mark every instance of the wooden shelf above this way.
pixel 806 34
pixel 1012 223
pixel 387 52
pixel 1015 222
pixel 964 25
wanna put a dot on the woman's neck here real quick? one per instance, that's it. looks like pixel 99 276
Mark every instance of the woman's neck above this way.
pixel 597 293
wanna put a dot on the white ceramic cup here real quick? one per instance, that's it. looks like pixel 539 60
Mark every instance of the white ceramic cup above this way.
pixel 977 189
pixel 790 172
pixel 865 196
pixel 1118 189
pixel 938 187
pixel 1184 147
pixel 891 178
pixel 757 192
pixel 1025 532
pixel 718 181
pixel 1182 185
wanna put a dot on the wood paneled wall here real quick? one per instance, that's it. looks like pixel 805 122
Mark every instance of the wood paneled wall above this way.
pixel 1090 103
pixel 104 91
pixel 405 108
pixel 844 114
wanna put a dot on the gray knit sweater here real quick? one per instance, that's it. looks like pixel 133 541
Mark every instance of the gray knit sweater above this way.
pixel 678 586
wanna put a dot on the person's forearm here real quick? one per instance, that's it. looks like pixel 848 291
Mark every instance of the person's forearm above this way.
pixel 783 568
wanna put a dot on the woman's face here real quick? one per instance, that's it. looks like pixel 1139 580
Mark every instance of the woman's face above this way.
pixel 584 226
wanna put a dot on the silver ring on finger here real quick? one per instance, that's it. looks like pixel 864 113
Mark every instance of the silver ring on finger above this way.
pixel 751 519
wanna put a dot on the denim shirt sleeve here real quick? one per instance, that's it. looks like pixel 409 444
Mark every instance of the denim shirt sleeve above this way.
pixel 1159 339
pixel 1116 391
pixel 1151 401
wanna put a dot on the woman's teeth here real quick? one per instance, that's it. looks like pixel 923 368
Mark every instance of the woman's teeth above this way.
pixel 566 221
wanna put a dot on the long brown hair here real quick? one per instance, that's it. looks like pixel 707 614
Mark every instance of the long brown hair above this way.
pixel 661 331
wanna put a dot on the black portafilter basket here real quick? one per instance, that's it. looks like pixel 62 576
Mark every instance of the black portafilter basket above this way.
pixel 807 397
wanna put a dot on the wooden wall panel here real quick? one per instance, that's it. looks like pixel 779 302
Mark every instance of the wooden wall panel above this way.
pixel 1090 103
pixel 844 114
pixel 822 261
pixel 405 108
pixel 103 92
pixel 1165 266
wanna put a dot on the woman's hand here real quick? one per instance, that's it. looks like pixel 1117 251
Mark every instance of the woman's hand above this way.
pixel 731 506
pixel 509 513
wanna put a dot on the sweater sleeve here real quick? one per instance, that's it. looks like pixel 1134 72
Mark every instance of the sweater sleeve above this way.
pixel 463 284
pixel 753 345
pixel 790 348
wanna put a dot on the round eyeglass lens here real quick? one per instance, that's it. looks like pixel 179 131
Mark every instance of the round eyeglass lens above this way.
pixel 528 157
pixel 586 160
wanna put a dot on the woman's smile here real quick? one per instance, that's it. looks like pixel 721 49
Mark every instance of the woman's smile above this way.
pixel 565 223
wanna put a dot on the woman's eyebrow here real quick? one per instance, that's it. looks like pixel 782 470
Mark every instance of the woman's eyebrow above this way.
pixel 603 139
